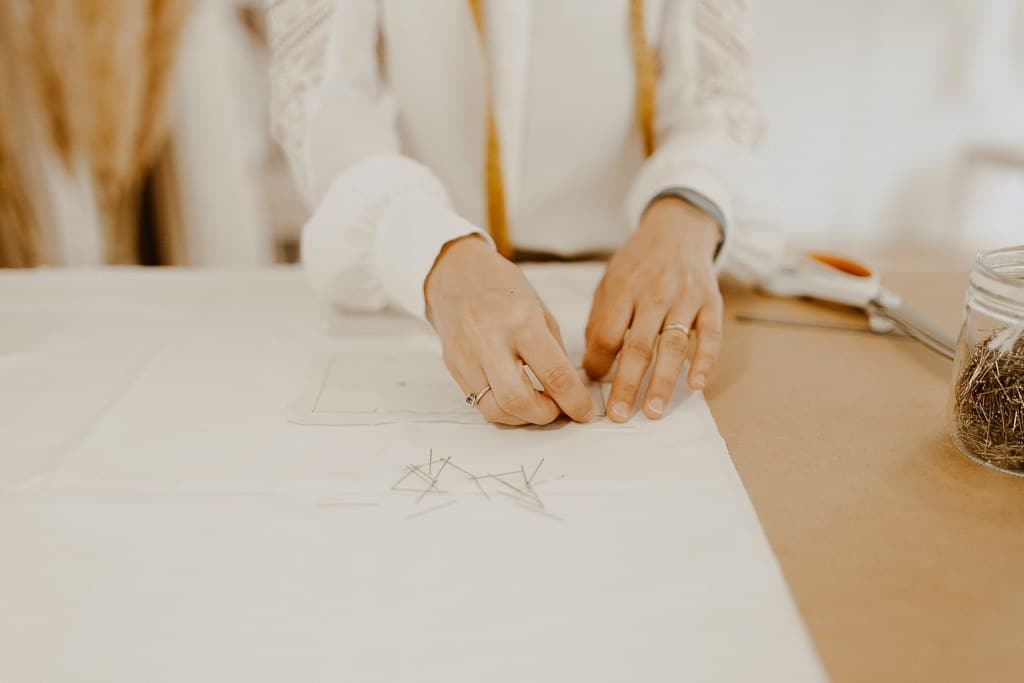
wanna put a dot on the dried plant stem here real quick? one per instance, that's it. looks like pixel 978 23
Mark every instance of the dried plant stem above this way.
pixel 96 76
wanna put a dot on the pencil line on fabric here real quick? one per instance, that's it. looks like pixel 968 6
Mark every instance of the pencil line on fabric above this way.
pixel 331 504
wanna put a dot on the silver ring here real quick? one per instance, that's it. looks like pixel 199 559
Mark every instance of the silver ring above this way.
pixel 676 326
pixel 473 399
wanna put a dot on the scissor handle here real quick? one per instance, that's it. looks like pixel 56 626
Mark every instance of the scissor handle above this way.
pixel 841 263
pixel 826 277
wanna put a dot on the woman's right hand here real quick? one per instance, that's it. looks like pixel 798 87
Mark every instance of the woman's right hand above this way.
pixel 491 322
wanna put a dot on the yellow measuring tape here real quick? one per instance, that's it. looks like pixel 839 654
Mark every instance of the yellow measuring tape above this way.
pixel 645 64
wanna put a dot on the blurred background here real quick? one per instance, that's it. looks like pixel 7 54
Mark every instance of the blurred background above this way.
pixel 138 131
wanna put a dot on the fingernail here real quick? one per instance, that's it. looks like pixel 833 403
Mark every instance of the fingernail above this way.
pixel 656 405
pixel 620 410
pixel 698 381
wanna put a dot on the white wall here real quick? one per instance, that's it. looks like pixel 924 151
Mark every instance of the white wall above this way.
pixel 871 107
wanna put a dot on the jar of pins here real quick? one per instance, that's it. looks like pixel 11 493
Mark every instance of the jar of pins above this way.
pixel 987 398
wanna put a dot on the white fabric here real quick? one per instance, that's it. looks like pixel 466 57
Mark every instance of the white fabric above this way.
pixel 162 521
pixel 358 267
pixel 563 84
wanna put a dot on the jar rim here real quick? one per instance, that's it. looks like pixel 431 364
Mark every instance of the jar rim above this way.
pixel 983 263
pixel 999 288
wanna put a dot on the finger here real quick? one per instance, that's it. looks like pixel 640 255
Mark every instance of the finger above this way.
pixel 547 359
pixel 637 350
pixel 472 381
pixel 709 342
pixel 552 324
pixel 673 347
pixel 606 330
pixel 668 364
pixel 492 412
pixel 514 391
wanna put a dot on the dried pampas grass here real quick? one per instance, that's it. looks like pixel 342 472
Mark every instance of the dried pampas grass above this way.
pixel 167 22
pixel 19 222
pixel 100 72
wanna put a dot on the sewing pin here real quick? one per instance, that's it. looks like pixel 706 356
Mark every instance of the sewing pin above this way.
pixel 535 470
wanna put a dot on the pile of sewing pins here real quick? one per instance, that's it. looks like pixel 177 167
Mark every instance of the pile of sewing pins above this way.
pixel 988 402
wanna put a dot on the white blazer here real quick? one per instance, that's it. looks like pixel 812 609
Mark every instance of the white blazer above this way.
pixel 381 106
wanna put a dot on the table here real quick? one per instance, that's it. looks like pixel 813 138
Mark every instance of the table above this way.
pixel 905 558
pixel 162 519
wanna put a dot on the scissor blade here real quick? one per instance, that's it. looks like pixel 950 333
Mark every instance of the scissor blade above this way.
pixel 915 324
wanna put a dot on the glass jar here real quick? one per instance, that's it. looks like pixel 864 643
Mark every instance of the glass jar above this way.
pixel 987 398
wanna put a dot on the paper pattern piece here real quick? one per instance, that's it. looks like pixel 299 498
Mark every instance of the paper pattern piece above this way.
pixel 385 382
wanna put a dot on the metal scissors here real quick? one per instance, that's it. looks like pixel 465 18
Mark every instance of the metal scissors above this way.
pixel 836 279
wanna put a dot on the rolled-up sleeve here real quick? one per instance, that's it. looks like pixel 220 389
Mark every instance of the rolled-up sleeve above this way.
pixel 707 121
pixel 380 218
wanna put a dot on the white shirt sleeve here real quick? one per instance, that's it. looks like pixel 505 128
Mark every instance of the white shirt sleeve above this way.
pixel 707 121
pixel 380 218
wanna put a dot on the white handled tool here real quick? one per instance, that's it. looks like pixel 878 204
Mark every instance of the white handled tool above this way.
pixel 827 277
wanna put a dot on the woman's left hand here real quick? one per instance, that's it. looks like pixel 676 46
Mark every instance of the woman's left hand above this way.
pixel 663 275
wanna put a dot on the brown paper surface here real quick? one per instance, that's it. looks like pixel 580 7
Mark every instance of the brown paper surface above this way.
pixel 906 559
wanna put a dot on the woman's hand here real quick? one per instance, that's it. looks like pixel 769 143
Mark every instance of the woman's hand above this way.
pixel 491 322
pixel 661 276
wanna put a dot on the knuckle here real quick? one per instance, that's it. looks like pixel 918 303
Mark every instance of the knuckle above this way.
pixel 639 347
pixel 606 341
pixel 526 321
pixel 476 317
pixel 513 401
pixel 674 343
pixel 553 325
pixel 627 391
pixel 560 378
pixel 711 332
pixel 595 367
pixel 640 278
pixel 663 291
pixel 613 279
pixel 707 358
pixel 521 313
pixel 667 287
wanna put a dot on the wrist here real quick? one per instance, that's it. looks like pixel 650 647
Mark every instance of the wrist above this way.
pixel 698 231
pixel 453 258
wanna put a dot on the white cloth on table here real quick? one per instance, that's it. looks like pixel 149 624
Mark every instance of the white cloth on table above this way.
pixel 163 521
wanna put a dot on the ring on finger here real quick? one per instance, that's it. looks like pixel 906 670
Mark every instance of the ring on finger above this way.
pixel 473 399
pixel 685 329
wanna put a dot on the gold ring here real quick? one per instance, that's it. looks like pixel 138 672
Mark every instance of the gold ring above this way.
pixel 676 326
pixel 473 399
